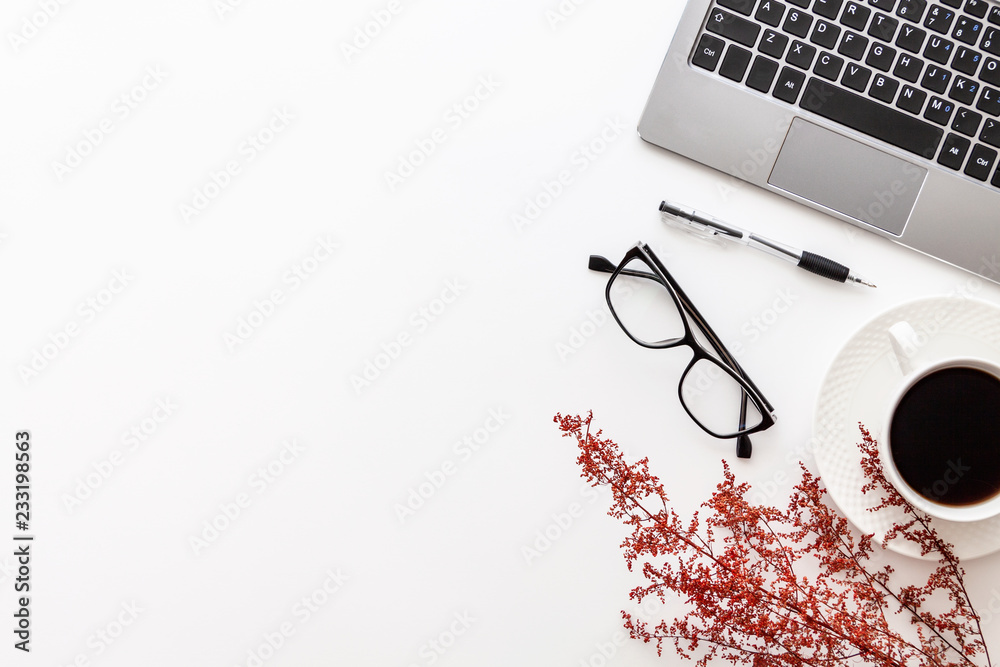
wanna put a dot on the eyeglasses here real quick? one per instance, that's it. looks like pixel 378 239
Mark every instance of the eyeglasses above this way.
pixel 652 309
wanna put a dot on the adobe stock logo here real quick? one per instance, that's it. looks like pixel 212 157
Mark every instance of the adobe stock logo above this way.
pixel 252 146
pixel 59 340
pixel 123 106
pixel 33 24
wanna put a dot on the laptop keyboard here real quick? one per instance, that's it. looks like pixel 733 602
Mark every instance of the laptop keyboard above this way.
pixel 921 76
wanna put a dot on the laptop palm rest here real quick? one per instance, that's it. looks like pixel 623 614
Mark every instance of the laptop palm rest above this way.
pixel 847 176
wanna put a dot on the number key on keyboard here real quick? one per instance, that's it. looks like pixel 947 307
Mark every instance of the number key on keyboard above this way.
pixel 911 10
pixel 989 101
pixel 936 79
pixel 939 19
pixel 939 49
pixel 963 90
pixel 966 30
pixel 939 111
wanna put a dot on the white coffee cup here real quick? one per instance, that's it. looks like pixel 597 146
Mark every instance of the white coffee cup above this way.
pixel 943 475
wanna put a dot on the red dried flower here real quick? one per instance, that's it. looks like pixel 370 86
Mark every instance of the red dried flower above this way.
pixel 741 571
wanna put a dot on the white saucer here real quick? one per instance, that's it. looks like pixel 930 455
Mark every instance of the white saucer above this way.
pixel 857 388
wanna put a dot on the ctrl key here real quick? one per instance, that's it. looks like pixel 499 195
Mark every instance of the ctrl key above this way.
pixel 708 52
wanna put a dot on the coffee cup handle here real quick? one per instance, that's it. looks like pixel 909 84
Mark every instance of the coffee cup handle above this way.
pixel 905 345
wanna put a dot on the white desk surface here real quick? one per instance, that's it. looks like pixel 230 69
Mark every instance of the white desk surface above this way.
pixel 121 115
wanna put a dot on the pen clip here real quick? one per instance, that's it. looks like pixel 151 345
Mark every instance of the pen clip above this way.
pixel 696 229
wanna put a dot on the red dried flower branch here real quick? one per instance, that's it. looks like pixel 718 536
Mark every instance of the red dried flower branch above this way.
pixel 741 570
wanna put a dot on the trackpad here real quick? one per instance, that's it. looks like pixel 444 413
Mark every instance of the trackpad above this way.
pixel 847 176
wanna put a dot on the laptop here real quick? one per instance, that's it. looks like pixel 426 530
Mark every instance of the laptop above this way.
pixel 881 113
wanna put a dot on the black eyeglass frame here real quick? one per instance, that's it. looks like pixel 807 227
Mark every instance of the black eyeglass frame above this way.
pixel 687 309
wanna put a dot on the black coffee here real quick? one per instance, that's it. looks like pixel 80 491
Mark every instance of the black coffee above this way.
pixel 945 436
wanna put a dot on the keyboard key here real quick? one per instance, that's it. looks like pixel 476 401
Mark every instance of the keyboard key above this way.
pixel 953 3
pixel 967 31
pixel 963 90
pixel 856 77
pixel 883 27
pixel 789 85
pixel 853 45
pixel 801 55
pixel 855 16
pixel 966 121
pixel 735 64
pixel 995 181
pixel 770 12
pixel 911 38
pixel 991 71
pixel 804 4
pixel 881 57
pixel 939 111
pixel 911 10
pixel 871 118
pixel 991 132
pixel 762 74
pixel 708 52
pixel 773 44
pixel 994 16
pixel 989 101
pixel 966 60
pixel 908 68
pixel 977 8
pixel 825 34
pixel 981 162
pixel 828 8
pixel 954 151
pixel 732 26
pixel 884 5
pixel 939 49
pixel 939 19
pixel 742 6
pixel 991 40
pixel 936 79
pixel 911 99
pixel 798 23
pixel 828 66
pixel 883 88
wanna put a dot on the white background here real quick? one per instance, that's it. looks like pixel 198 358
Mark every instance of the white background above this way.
pixel 517 327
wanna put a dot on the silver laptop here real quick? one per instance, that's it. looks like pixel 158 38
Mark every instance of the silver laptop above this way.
pixel 882 113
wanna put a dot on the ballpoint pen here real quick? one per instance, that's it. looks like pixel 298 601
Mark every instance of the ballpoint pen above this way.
pixel 706 225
